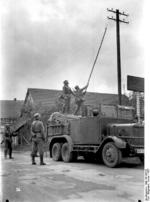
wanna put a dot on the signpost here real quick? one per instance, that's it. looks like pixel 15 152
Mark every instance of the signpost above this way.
pixel 136 84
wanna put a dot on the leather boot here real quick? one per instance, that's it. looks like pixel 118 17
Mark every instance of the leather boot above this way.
pixel 10 155
pixel 33 160
pixel 5 153
pixel 41 160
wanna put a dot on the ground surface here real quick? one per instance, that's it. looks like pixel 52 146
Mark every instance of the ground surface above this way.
pixel 69 182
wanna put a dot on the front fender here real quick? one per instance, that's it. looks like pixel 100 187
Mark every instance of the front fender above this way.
pixel 121 144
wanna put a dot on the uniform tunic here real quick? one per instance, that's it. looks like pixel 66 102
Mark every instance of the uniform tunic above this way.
pixel 7 143
pixel 79 99
pixel 37 131
pixel 67 96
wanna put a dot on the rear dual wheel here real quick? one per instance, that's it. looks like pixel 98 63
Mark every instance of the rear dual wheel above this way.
pixel 56 152
pixel 67 155
pixel 63 152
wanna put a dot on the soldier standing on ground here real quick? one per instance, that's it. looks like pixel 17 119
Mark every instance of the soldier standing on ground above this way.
pixel 67 97
pixel 79 94
pixel 38 139
pixel 7 140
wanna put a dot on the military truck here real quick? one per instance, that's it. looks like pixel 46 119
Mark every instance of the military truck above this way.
pixel 109 135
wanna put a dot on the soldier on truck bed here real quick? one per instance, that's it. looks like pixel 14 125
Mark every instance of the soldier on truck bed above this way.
pixel 79 94
pixel 67 97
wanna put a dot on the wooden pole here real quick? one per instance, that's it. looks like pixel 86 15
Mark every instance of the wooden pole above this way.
pixel 97 56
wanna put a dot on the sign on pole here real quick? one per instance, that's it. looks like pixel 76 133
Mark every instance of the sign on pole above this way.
pixel 135 83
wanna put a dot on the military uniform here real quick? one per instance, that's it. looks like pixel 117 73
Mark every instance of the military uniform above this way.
pixel 38 139
pixel 79 97
pixel 7 142
pixel 67 97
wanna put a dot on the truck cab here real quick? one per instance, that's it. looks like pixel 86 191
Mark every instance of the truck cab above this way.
pixel 130 133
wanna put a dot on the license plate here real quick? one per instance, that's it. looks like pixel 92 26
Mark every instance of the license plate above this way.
pixel 140 151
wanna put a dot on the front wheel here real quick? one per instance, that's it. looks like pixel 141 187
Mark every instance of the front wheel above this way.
pixel 67 155
pixel 56 152
pixel 111 155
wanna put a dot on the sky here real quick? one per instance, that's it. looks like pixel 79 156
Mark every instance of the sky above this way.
pixel 44 42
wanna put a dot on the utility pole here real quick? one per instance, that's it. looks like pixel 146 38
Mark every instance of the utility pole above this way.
pixel 117 19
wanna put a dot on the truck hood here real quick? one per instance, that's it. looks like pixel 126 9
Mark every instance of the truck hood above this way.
pixel 126 125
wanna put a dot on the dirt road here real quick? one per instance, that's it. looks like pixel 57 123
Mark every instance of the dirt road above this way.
pixel 69 182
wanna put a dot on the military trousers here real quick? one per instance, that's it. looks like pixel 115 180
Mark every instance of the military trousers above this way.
pixel 79 105
pixel 66 105
pixel 8 148
pixel 37 145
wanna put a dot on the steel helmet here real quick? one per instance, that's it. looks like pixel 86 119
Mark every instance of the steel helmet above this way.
pixel 37 115
pixel 66 82
pixel 76 87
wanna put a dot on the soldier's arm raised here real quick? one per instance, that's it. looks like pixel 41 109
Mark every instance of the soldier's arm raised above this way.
pixel 84 88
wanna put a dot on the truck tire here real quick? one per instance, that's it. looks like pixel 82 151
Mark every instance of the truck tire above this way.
pixel 67 155
pixel 56 152
pixel 111 155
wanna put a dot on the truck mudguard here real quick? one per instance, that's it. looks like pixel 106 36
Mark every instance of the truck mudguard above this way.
pixel 121 144
pixel 62 138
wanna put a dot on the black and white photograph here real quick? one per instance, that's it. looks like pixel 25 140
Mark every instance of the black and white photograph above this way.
pixel 72 101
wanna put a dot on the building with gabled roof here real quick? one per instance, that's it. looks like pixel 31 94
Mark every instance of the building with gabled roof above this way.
pixel 10 111
pixel 48 97
pixel 47 100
